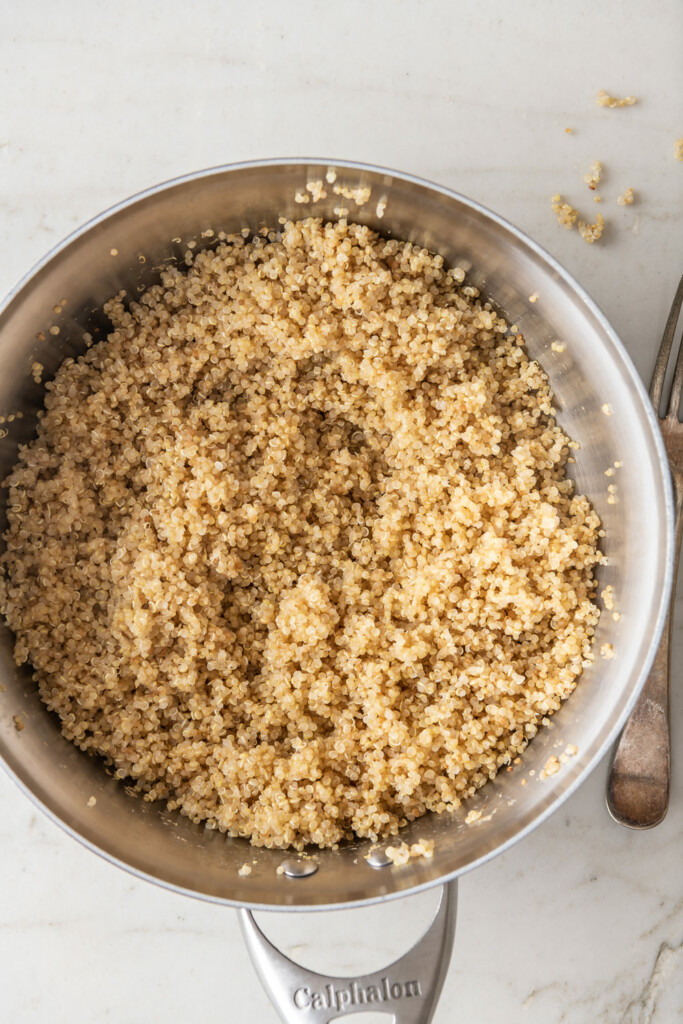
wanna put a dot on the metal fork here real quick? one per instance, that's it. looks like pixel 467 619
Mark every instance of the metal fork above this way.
pixel 638 784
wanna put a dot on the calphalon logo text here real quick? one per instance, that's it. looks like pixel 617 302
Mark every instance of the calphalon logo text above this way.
pixel 355 995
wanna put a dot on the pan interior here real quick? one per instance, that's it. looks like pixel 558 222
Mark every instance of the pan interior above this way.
pixel 589 373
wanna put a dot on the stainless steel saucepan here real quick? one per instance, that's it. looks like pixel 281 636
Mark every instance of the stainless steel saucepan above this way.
pixel 602 405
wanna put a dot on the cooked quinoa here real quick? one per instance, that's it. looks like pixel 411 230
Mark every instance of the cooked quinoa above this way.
pixel 294 549
pixel 594 175
pixel 566 214
pixel 605 100
pixel 592 232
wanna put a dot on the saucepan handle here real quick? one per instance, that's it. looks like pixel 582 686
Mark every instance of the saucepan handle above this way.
pixel 409 988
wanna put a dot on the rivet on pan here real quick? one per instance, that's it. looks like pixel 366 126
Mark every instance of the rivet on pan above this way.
pixel 378 859
pixel 299 868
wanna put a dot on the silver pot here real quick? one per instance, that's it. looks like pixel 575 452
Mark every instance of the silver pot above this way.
pixel 602 405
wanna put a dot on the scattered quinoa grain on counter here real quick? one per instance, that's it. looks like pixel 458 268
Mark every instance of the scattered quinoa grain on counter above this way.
pixel 566 214
pixel 626 198
pixel 592 232
pixel 592 178
pixel 295 549
pixel 605 100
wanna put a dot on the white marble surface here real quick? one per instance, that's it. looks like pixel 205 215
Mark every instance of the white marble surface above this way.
pixel 583 921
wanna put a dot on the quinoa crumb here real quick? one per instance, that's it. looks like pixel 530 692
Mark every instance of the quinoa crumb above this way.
pixel 317 190
pixel 678 149
pixel 37 371
pixel 402 854
pixel 605 100
pixel 294 549
pixel 331 176
pixel 92 801
pixel 566 214
pixel 533 298
pixel 18 723
pixel 592 178
pixel 627 197
pixel 558 346
pixel 551 767
pixel 244 870
pixel 592 232
pixel 606 409
pixel 54 330
pixel 607 651
pixel 113 252
pixel 381 207
pixel 359 195
pixel 607 596
pixel 523 782
pixel 597 199
pixel 571 750
pixel 616 616
pixel 472 816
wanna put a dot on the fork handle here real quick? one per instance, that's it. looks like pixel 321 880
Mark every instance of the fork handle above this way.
pixel 638 784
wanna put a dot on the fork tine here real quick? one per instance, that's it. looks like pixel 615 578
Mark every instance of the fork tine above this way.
pixel 661 363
